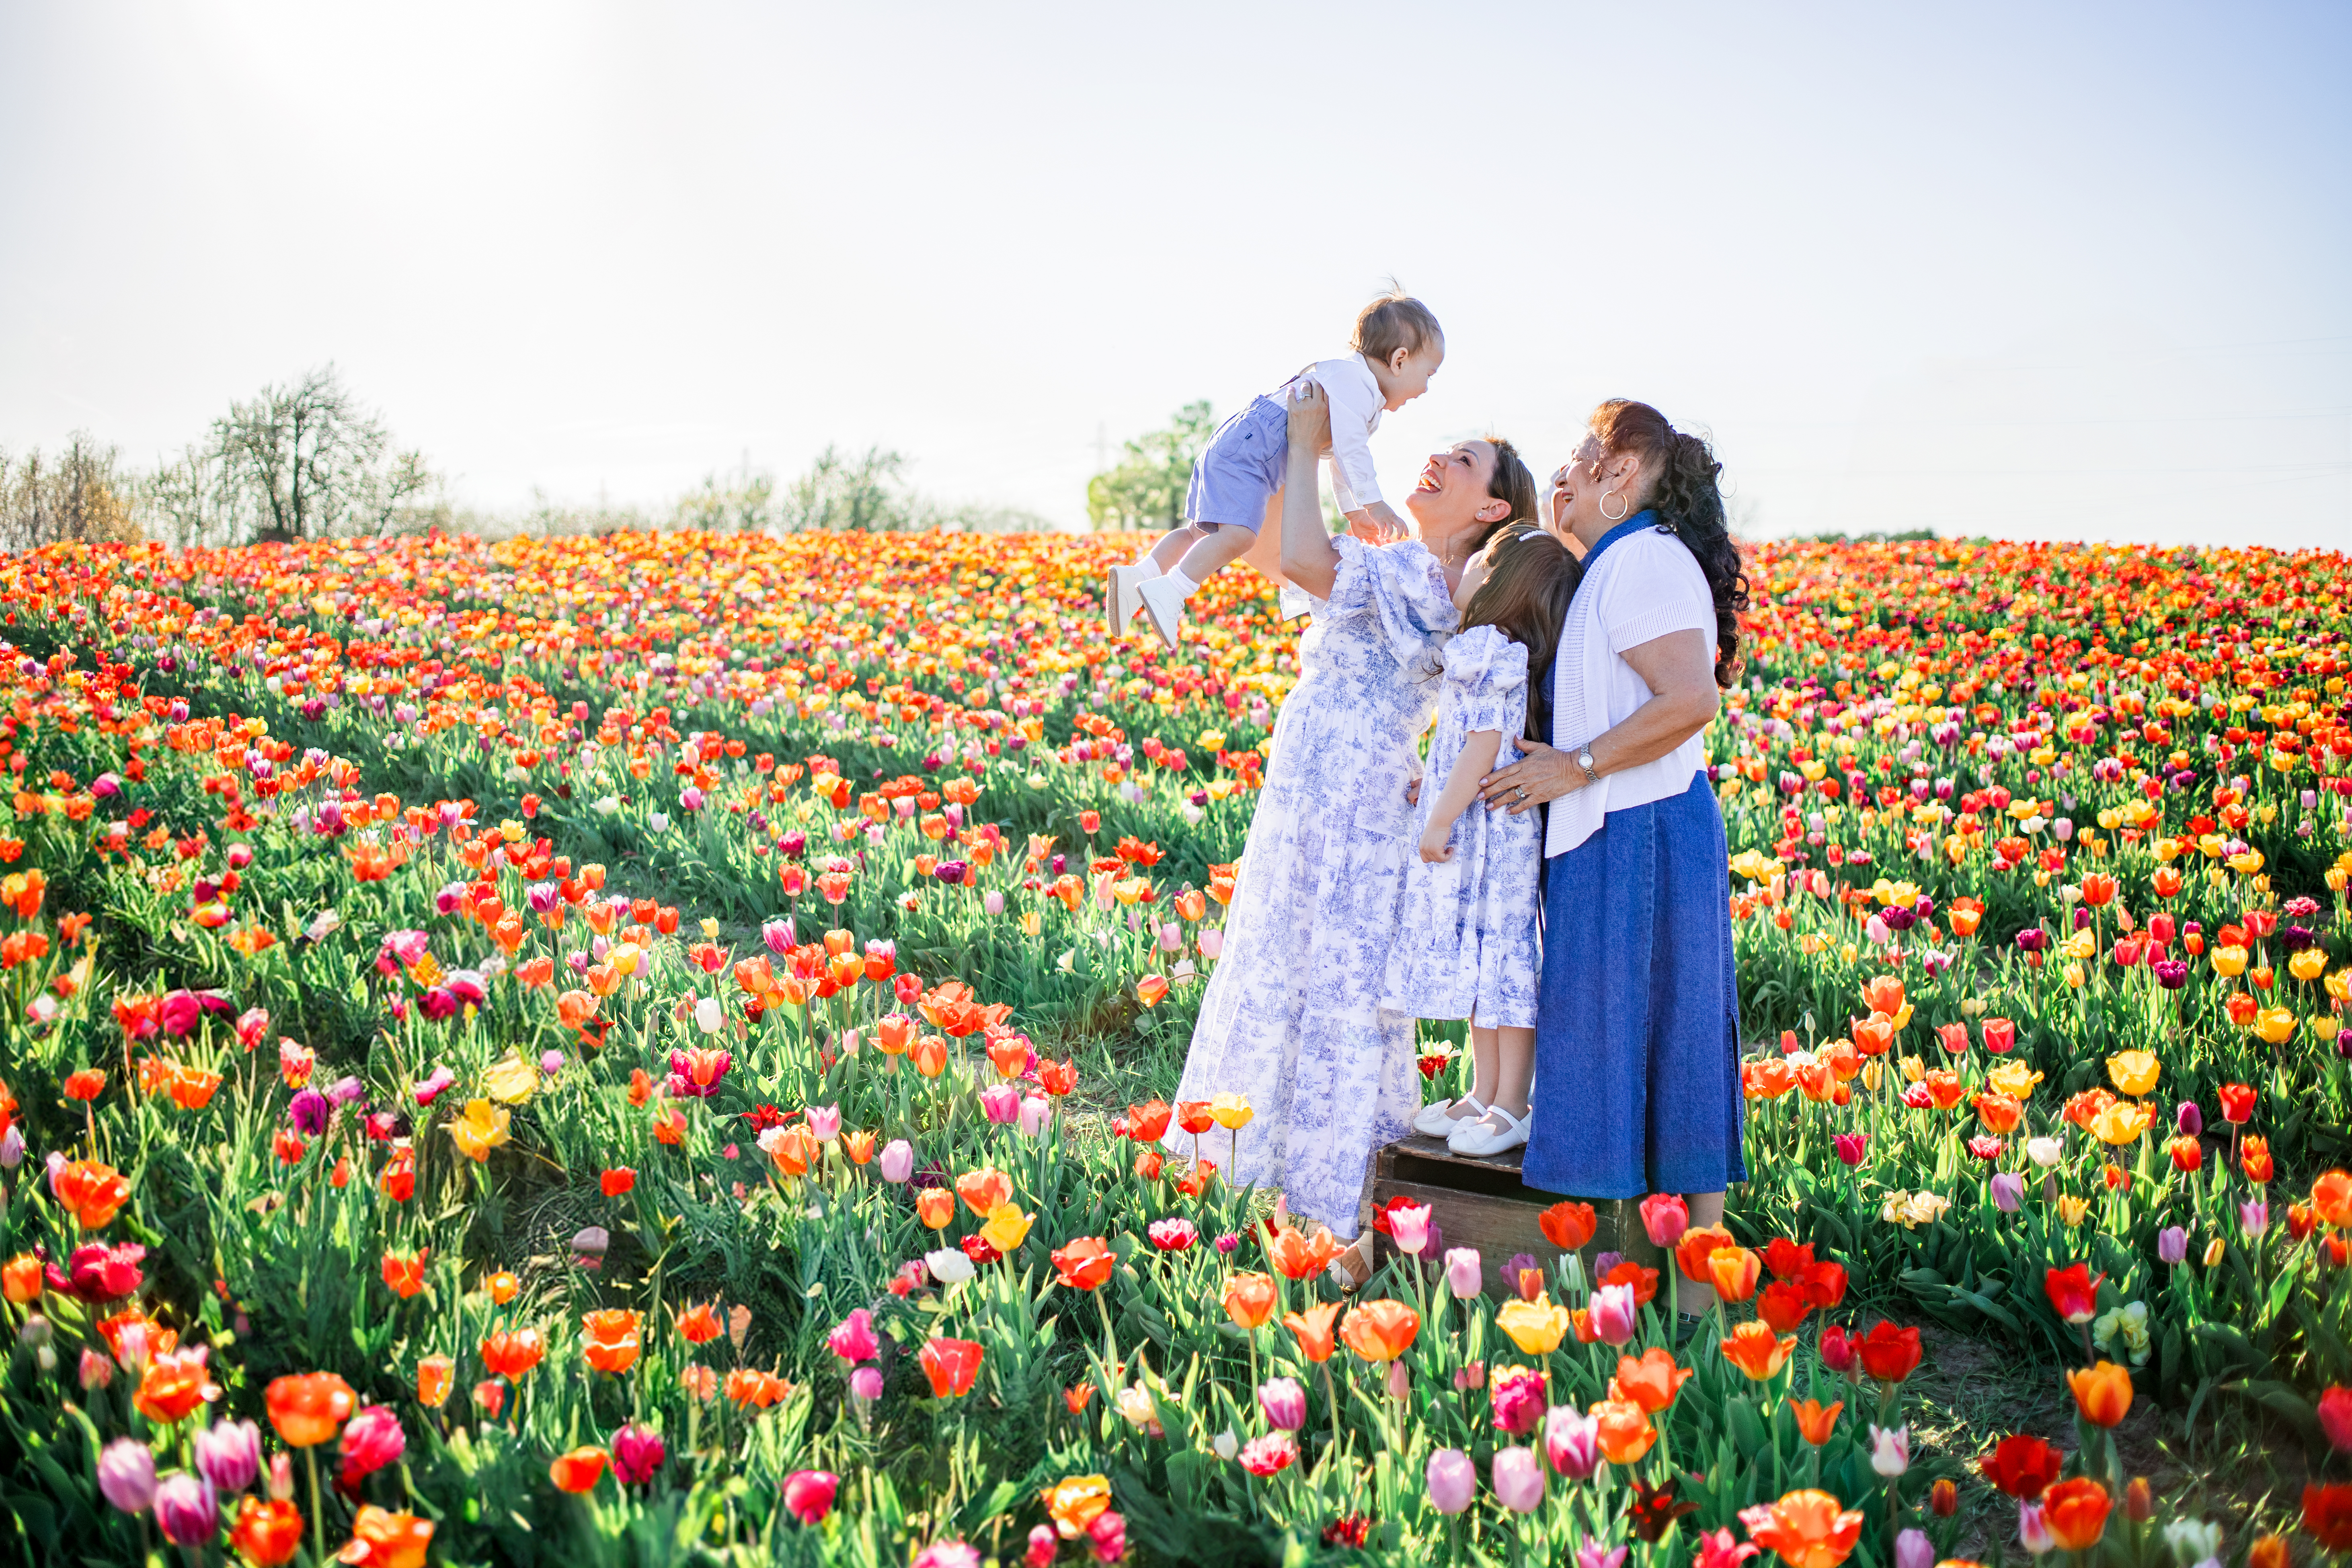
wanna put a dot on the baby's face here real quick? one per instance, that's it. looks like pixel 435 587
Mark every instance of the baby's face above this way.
pixel 1402 381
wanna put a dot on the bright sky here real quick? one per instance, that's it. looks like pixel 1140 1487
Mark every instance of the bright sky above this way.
pixel 2079 271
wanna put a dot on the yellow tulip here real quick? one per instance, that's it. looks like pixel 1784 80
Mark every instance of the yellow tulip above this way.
pixel 2072 1209
pixel 2213 1253
pixel 1536 1326
pixel 482 1128
pixel 2339 985
pixel 625 957
pixel 2075 976
pixel 2014 1079
pixel 2307 965
pixel 1007 1227
pixel 2122 1122
pixel 1230 1112
pixel 2274 1025
pixel 511 1079
pixel 2134 1072
pixel 2229 961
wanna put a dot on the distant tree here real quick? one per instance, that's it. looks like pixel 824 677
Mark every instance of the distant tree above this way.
pixel 306 461
pixel 1147 490
pixel 79 495
pixel 846 494
pixel 743 502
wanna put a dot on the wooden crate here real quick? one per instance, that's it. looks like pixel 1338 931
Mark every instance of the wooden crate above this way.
pixel 1483 1203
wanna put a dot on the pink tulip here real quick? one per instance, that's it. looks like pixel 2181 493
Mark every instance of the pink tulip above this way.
pixel 1463 1274
pixel 1518 1478
pixel 371 1439
pixel 637 1455
pixel 1665 1217
pixel 1284 1402
pixel 1453 1480
pixel 1000 1102
pixel 1036 1113
pixel 825 1122
pixel 1211 943
pixel 852 1340
pixel 808 1494
pixel 898 1160
pixel 1408 1228
pixel 2336 1417
pixel 1572 1442
pixel 1614 1314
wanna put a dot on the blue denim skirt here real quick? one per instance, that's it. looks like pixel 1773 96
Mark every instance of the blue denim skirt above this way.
pixel 1637 1015
pixel 1241 468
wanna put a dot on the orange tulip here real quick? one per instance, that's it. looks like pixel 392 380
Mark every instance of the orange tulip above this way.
pixel 1249 1299
pixel 1697 1245
pixel 1084 1263
pixel 20 1278
pixel 1755 1350
pixel 2103 1393
pixel 2331 1198
pixel 1625 1433
pixel 434 1373
pixel 91 1191
pixel 1381 1331
pixel 1734 1270
pixel 1815 1421
pixel 511 1354
pixel 611 1342
pixel 1999 1113
pixel 1783 1306
pixel 934 1207
pixel 266 1535
pixel 950 1364
pixel 307 1410
pixel 1313 1329
pixel 381 1539
pixel 1884 993
pixel 1651 1382
pixel 1808 1529
pixel 579 1470
pixel 1568 1226
pixel 698 1324
pixel 859 1146
pixel 1193 1116
pixel 985 1190
pixel 2075 1511
pixel 1297 1255
pixel 503 1286
pixel 174 1386
pixel 405 1275
pixel 930 1055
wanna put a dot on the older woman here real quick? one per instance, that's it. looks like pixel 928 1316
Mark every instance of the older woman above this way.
pixel 1291 1018
pixel 1637 1032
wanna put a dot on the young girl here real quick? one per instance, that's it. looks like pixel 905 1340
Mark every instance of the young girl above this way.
pixel 1237 480
pixel 1467 944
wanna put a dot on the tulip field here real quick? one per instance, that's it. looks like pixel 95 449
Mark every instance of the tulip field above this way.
pixel 655 1048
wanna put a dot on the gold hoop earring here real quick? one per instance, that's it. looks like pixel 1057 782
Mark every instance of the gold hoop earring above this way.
pixel 1615 517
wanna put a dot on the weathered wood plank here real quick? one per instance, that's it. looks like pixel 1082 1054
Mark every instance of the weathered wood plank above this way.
pixel 1486 1204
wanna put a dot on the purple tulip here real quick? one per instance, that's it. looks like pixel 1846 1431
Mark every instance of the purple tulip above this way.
pixel 637 1455
pixel 898 1160
pixel 185 1510
pixel 229 1455
pixel 344 1090
pixel 1914 1550
pixel 126 1475
pixel 1284 1402
pixel 2343 1044
pixel 1572 1442
pixel 2172 1244
pixel 1453 1480
pixel 308 1113
pixel 2008 1190
pixel 2191 1120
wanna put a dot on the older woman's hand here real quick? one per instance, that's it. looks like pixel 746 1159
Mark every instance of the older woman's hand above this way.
pixel 1542 774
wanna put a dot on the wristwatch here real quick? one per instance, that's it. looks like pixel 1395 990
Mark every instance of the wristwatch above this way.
pixel 1584 761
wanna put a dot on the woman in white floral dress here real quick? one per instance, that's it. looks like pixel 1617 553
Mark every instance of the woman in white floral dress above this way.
pixel 1292 1018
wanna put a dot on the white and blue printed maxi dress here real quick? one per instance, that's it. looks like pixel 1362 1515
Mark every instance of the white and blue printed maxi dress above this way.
pixel 1292 1017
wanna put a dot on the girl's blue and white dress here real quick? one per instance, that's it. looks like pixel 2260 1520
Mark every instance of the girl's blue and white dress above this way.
pixel 1468 944
pixel 1292 1018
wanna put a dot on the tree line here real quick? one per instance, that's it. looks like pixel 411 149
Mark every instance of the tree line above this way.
pixel 309 460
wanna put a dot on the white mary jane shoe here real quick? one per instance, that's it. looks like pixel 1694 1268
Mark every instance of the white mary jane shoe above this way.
pixel 1125 597
pixel 1491 1134
pixel 1163 606
pixel 1436 1118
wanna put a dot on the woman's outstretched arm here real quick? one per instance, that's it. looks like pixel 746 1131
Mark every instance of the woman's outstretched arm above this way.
pixel 1309 557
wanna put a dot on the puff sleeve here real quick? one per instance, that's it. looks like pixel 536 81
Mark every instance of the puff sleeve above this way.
pixel 1488 674
pixel 1404 589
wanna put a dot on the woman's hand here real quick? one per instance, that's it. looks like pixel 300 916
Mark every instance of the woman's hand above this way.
pixel 1542 774
pixel 1412 791
pixel 1310 415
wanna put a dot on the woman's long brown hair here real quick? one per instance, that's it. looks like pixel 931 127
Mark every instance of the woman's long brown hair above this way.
pixel 1530 577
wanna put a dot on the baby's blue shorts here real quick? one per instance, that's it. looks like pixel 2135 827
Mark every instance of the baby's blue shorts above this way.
pixel 1241 468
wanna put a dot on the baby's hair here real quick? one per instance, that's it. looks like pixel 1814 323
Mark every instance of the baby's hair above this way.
pixel 1394 320
pixel 1530 577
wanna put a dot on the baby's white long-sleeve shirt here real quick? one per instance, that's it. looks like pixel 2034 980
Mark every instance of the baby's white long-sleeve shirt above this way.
pixel 1356 407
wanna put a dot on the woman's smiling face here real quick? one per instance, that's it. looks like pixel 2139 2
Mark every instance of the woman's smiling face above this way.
pixel 1454 485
